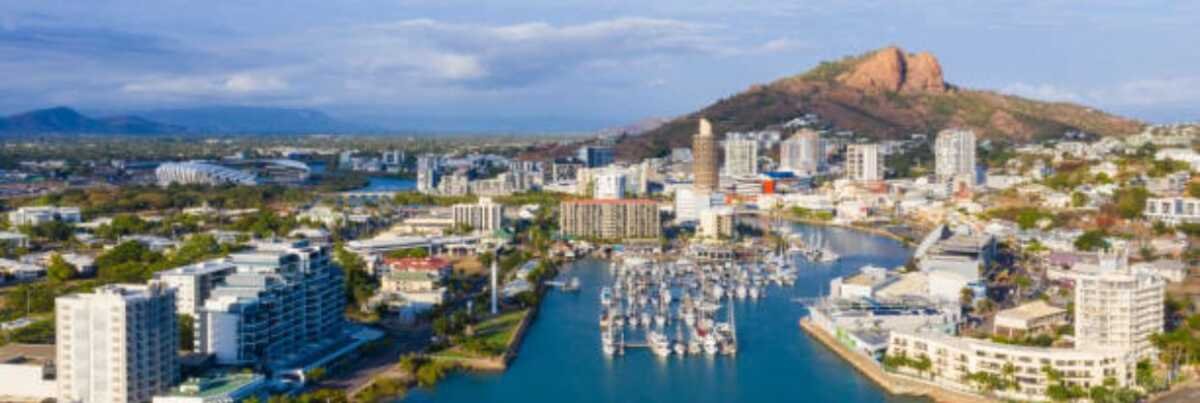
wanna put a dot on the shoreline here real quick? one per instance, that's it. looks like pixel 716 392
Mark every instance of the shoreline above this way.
pixel 854 227
pixel 874 372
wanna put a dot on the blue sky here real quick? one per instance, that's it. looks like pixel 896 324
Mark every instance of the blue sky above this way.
pixel 582 64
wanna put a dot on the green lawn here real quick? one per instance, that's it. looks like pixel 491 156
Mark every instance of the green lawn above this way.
pixel 497 331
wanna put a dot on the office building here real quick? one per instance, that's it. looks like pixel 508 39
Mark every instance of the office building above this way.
pixel 596 156
pixel 802 154
pixel 117 343
pixel 484 216
pixel 704 159
pixel 690 204
pixel 610 219
pixel 741 156
pixel 1118 310
pixel 864 162
pixel 954 156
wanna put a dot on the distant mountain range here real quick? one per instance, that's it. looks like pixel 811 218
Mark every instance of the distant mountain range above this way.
pixel 205 120
pixel 63 120
pixel 886 93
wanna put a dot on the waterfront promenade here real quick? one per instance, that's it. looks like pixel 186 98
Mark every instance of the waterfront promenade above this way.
pixel 892 384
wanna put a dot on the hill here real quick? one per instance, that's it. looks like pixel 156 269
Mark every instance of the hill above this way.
pixel 886 93
pixel 63 120
pixel 245 119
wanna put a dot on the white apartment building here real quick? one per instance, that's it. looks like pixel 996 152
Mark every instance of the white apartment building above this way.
pixel 1117 310
pixel 284 298
pixel 864 162
pixel 1173 210
pixel 690 204
pixel 741 156
pixel 44 214
pixel 610 185
pixel 193 283
pixel 954 155
pixel 802 154
pixel 116 344
pixel 953 358
pixel 484 216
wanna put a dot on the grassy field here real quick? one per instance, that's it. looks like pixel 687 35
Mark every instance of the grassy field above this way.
pixel 497 331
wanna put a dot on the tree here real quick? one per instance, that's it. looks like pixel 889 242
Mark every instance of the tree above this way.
pixel 59 270
pixel 187 332
pixel 966 296
pixel 1130 202
pixel 1078 199
pixel 1092 240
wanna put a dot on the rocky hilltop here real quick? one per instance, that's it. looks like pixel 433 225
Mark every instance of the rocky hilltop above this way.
pixel 886 93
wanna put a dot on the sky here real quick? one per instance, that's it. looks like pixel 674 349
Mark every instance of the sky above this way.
pixel 576 65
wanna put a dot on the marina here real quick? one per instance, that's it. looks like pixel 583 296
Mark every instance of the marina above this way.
pixel 561 357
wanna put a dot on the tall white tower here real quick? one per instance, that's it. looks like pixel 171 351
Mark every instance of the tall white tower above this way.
pixel 495 282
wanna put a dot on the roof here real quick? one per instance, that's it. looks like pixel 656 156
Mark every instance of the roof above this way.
pixel 215 385
pixel 1030 311
pixel 612 201
pixel 35 354
pixel 417 263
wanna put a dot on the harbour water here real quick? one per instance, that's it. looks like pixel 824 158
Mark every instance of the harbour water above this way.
pixel 388 184
pixel 561 360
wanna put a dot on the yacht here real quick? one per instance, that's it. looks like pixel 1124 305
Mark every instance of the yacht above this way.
pixel 658 343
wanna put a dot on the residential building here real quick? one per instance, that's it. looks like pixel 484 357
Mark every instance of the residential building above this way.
pixel 954 358
pixel 428 172
pixel 718 223
pixel 1173 210
pixel 33 216
pixel 27 372
pixel 193 283
pixel 864 162
pixel 706 179
pixel 216 388
pixel 283 298
pixel 13 240
pixel 1118 310
pixel 741 156
pixel 690 204
pixel 610 185
pixel 483 216
pixel 802 154
pixel 610 219
pixel 1033 317
pixel 954 156
pixel 117 343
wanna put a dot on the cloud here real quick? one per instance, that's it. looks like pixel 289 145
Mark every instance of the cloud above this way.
pixel 1151 91
pixel 1045 92
pixel 517 55
pixel 233 84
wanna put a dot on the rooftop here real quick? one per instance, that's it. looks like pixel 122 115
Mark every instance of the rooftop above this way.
pixel 33 354
pixel 214 385
pixel 1033 310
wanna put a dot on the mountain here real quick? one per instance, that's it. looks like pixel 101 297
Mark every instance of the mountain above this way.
pixel 63 120
pixel 885 94
pixel 243 119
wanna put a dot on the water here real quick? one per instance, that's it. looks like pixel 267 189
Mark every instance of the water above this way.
pixel 388 184
pixel 561 360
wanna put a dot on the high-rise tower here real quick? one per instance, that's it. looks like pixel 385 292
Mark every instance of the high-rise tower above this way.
pixel 704 159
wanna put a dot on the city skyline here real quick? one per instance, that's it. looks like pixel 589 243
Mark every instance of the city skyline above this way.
pixel 446 63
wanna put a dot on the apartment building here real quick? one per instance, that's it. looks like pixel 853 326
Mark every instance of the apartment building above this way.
pixel 954 155
pixel 741 156
pixel 1118 310
pixel 484 216
pixel 802 154
pixel 193 283
pixel 117 343
pixel 283 297
pixel 43 214
pixel 610 219
pixel 954 358
pixel 864 162
pixel 1173 210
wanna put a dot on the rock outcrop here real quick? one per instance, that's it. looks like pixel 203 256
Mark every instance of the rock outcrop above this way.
pixel 891 70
